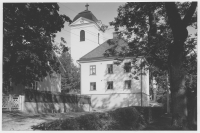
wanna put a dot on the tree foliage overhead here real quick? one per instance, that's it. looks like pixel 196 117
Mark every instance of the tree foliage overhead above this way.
pixel 145 27
pixel 28 32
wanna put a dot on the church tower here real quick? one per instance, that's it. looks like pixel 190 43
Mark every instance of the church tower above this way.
pixel 86 34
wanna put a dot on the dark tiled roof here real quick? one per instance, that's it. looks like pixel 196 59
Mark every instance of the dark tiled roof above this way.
pixel 99 51
pixel 86 14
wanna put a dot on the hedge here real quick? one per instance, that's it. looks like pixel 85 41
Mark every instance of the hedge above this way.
pixel 52 97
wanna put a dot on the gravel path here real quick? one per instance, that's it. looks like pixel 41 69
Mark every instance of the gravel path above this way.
pixel 15 121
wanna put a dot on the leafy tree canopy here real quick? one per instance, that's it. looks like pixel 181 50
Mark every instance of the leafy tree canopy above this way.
pixel 28 32
pixel 146 29
pixel 70 74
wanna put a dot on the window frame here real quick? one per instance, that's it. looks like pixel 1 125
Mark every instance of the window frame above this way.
pixel 82 36
pixel 128 82
pixel 127 66
pixel 108 85
pixel 93 84
pixel 108 66
pixel 92 67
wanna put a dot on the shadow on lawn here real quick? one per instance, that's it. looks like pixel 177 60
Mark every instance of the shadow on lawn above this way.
pixel 164 123
pixel 19 116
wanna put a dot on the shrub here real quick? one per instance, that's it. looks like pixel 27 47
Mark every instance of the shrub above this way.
pixel 150 113
pixel 120 119
pixel 126 118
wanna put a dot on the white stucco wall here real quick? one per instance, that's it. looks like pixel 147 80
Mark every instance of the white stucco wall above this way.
pixel 118 96
pixel 80 48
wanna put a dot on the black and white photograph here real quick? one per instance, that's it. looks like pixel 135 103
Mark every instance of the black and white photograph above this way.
pixel 99 66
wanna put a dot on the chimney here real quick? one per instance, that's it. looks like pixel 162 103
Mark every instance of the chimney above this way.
pixel 115 35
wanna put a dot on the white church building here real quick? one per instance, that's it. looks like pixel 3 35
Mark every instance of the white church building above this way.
pixel 86 33
pixel 109 85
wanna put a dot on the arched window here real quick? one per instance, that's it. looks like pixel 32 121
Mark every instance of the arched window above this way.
pixel 82 35
pixel 98 38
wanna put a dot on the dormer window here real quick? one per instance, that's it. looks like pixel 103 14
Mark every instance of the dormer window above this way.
pixel 82 35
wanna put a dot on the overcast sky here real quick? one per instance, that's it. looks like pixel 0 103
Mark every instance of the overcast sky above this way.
pixel 106 12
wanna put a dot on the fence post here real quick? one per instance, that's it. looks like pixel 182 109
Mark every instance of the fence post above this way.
pixel 10 102
pixel 23 102
pixel 128 99
pixel 19 102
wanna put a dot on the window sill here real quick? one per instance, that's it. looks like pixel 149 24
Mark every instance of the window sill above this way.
pixel 110 73
pixel 92 90
pixel 126 72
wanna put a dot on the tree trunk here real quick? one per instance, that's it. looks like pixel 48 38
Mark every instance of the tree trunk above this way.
pixel 177 73
pixel 177 86
pixel 154 96
pixel 155 88
pixel 151 89
pixel 168 107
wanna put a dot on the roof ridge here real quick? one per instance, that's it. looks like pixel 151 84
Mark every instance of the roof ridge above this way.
pixel 94 49
pixel 84 11
pixel 87 14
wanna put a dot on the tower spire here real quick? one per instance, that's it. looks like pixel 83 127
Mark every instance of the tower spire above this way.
pixel 86 6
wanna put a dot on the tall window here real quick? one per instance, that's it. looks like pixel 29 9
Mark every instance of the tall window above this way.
pixel 98 38
pixel 127 67
pixel 110 68
pixel 92 86
pixel 110 85
pixel 92 70
pixel 82 35
pixel 127 84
